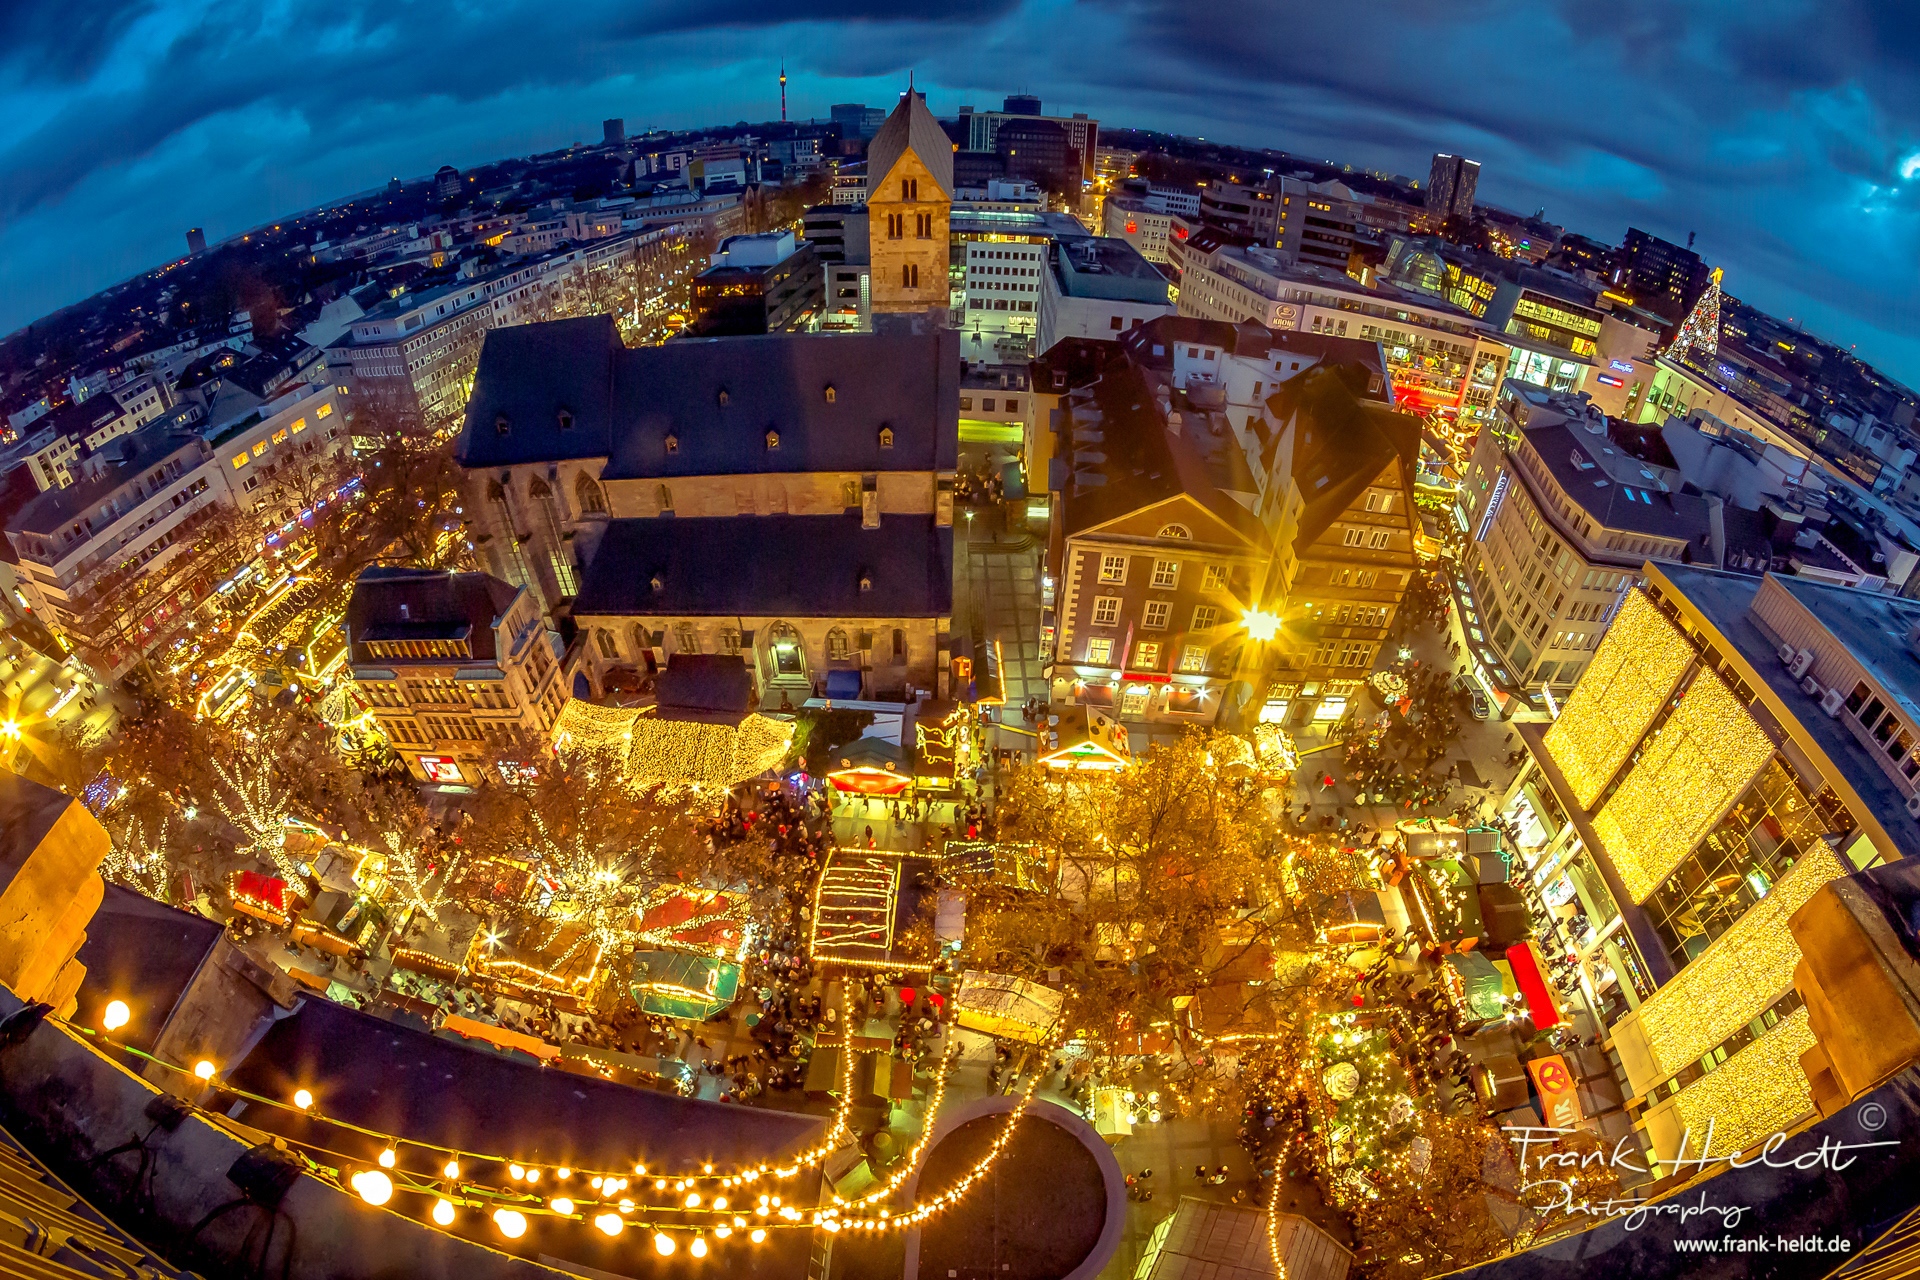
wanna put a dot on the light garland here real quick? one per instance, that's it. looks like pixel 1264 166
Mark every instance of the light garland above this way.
pixel 1693 767
pixel 1757 1092
pixel 1633 671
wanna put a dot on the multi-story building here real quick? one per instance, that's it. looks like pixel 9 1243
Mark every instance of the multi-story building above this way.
pixel 137 505
pixel 452 666
pixel 1311 223
pixel 1002 195
pixel 857 120
pixel 613 133
pixel 196 241
pixel 839 236
pixel 1551 319
pixel 416 352
pixel 768 283
pixel 909 199
pixel 805 480
pixel 1736 743
pixel 1095 288
pixel 1136 221
pixel 1440 358
pixel 144 500
pixel 1560 507
pixel 1661 277
pixel 1310 524
pixel 1450 186
pixel 1077 131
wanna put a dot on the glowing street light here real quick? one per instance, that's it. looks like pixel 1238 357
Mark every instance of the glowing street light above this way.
pixel 1261 625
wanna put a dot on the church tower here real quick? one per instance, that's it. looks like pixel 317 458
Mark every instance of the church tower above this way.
pixel 909 201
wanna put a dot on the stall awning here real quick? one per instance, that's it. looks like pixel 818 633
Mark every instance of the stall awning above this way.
pixel 843 683
pixel 1530 976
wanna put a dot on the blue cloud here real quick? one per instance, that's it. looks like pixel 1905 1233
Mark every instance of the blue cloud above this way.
pixel 1783 132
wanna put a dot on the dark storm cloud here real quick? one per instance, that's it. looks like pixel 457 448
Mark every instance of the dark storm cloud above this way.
pixel 1778 130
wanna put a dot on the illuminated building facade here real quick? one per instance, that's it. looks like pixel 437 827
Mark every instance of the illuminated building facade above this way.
pixel 1441 359
pixel 1559 507
pixel 1735 744
pixel 909 200
pixel 451 666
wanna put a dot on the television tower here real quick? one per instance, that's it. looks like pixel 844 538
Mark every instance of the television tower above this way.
pixel 783 91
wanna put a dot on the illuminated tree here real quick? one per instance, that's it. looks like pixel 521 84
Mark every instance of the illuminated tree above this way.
pixel 1157 874
pixel 1432 1213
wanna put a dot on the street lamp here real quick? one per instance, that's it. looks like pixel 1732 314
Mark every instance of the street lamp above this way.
pixel 1260 625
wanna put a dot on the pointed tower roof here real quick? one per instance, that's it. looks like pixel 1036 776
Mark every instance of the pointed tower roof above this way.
pixel 911 127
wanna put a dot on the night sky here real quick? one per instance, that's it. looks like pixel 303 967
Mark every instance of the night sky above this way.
pixel 1786 134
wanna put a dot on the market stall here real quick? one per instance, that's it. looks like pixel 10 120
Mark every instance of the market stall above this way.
pixel 998 1004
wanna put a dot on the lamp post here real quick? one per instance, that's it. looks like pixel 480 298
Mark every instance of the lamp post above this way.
pixel 1261 628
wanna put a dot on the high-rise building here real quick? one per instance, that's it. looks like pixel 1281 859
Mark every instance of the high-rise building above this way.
pixel 766 283
pixel 857 120
pixel 1737 743
pixel 196 240
pixel 1450 186
pixel 1314 224
pixel 909 203
pixel 613 133
pixel 982 129
pixel 1660 277
pixel 446 182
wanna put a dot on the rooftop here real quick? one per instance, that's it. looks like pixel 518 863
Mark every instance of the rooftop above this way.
pixel 1873 627
pixel 776 566
pixel 1107 267
pixel 706 406
pixel 417 604
pixel 132 456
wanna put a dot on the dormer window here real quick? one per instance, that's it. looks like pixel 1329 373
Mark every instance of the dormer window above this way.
pixel 722 397
pixel 886 437
pixel 672 443
pixel 657 583
pixel 566 419
pixel 773 440
pixel 500 423
pixel 866 583
pixel 829 393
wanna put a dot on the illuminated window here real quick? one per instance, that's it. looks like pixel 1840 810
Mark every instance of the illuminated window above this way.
pixel 1193 658
pixel 300 424
pixel 1100 650
pixel 260 448
pixel 1166 573
pixel 1146 654
pixel 324 411
pixel 280 436
pixel 239 461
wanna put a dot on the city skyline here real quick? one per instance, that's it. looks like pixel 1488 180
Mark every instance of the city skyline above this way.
pixel 1793 161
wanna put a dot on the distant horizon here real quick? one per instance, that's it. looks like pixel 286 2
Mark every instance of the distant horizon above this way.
pixel 1794 156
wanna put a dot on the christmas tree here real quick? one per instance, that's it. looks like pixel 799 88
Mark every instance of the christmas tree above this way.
pixel 1701 329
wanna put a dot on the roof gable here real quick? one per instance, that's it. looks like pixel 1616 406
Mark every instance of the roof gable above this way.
pixel 911 127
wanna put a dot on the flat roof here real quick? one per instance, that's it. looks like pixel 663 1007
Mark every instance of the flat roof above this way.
pixel 1870 624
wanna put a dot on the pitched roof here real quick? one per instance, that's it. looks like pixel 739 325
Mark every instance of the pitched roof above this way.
pixel 771 566
pixel 624 403
pixel 419 604
pixel 911 127
pixel 528 374
pixel 1342 442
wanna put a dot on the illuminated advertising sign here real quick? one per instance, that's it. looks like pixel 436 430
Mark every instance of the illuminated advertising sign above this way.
pixel 440 769
pixel 1493 506
pixel 1620 366
pixel 1608 380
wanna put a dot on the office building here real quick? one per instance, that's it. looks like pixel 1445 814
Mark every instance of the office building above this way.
pixel 613 133
pixel 1096 288
pixel 686 490
pixel 1660 277
pixel 1737 743
pixel 446 183
pixel 1317 224
pixel 998 255
pixel 1440 357
pixel 1041 151
pixel 1078 133
pixel 856 120
pixel 1139 223
pixel 909 198
pixel 452 666
pixel 196 240
pixel 1450 186
pixel 1560 507
pixel 766 283
pixel 839 236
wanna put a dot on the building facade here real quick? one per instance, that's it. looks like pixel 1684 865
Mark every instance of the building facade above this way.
pixel 1096 288
pixel 452 667
pixel 1138 223
pixel 1451 183
pixel 717 466
pixel 1558 515
pixel 1737 743
pixel 909 202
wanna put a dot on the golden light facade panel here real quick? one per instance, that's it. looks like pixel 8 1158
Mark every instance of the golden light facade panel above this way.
pixel 1756 1093
pixel 1623 688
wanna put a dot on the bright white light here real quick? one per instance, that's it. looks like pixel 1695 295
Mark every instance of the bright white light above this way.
pixel 512 1224
pixel 374 1186
pixel 443 1212
pixel 203 1069
pixel 662 1243
pixel 1910 167
pixel 302 1099
pixel 611 1223
pixel 116 1015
